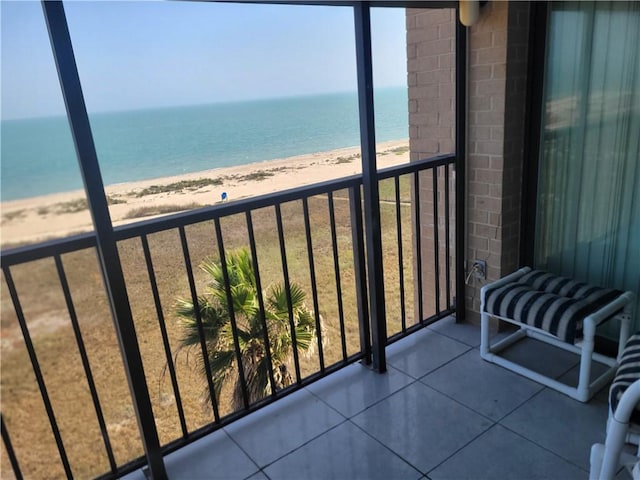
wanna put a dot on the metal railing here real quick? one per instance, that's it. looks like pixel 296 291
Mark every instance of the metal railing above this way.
pixel 416 200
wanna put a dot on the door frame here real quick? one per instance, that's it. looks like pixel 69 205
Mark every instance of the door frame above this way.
pixel 538 21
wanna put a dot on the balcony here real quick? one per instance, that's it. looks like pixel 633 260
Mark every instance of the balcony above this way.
pixel 439 412
pixel 311 236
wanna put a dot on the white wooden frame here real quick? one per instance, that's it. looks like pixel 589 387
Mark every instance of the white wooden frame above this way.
pixel 585 389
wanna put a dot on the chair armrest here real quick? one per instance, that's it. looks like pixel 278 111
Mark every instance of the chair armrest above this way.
pixel 628 402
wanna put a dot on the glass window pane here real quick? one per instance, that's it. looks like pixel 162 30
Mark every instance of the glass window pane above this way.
pixel 42 192
pixel 188 101
pixel 587 215
pixel 391 103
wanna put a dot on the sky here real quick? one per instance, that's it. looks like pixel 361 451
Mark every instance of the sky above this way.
pixel 147 54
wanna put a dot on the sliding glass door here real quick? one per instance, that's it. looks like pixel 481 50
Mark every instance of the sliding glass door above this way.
pixel 588 205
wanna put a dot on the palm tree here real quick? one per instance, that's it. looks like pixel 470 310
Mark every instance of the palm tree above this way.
pixel 216 323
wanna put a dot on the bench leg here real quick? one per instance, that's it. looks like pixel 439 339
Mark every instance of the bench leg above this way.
pixel 586 354
pixel 484 328
pixel 484 335
pixel 625 329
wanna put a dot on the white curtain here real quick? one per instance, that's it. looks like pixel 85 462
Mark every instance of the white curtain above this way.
pixel 588 213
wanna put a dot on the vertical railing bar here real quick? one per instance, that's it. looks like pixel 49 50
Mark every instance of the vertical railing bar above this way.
pixel 196 310
pixel 418 236
pixel 9 449
pixel 36 370
pixel 447 232
pixel 403 315
pixel 436 244
pixel 263 316
pixel 85 361
pixel 336 267
pixel 163 333
pixel 357 241
pixel 232 313
pixel 314 287
pixel 287 290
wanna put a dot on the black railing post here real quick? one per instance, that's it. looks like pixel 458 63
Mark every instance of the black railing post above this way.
pixel 37 371
pixel 105 239
pixel 62 276
pixel 417 227
pixel 370 182
pixel 314 283
pixel 461 138
pixel 9 449
pixel 359 261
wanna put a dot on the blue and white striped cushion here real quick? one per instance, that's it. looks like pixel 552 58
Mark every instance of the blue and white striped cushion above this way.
pixel 628 372
pixel 554 304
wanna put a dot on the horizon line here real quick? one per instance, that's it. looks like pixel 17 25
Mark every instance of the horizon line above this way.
pixel 206 103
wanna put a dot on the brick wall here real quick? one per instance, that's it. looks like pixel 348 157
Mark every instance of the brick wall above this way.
pixel 496 96
pixel 431 75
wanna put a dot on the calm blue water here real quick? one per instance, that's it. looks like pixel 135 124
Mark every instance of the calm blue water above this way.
pixel 38 156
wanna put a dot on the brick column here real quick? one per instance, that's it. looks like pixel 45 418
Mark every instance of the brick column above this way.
pixel 496 91
pixel 430 76
pixel 431 80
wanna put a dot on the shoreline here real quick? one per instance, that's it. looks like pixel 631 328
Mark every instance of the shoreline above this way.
pixel 55 215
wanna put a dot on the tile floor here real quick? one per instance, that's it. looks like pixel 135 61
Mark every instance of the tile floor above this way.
pixel 440 412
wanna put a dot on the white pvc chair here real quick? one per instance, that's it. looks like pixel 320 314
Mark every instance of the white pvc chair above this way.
pixel 624 417
pixel 608 458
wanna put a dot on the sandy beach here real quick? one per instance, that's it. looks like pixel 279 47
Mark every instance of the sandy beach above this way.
pixel 38 218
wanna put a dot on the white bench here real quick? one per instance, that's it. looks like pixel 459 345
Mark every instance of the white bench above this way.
pixel 558 311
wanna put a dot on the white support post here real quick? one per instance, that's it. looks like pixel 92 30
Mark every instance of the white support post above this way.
pixel 588 343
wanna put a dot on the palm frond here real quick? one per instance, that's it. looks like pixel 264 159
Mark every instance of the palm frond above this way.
pixel 239 269
pixel 216 285
pixel 214 311
pixel 304 318
pixel 297 296
pixel 277 298
pixel 280 341
pixel 244 337
pixel 243 264
pixel 209 312
pixel 213 318
pixel 211 266
pixel 261 385
pixel 245 301
pixel 184 307
pixel 221 363
pixel 305 340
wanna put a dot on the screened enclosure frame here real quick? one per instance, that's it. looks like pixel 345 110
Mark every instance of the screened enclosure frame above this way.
pixel 105 237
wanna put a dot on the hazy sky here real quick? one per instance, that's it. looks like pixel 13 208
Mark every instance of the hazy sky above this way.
pixel 150 54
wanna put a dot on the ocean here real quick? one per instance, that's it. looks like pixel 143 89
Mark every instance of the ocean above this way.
pixel 38 156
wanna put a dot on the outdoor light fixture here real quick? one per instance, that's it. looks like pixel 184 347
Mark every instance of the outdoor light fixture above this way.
pixel 469 11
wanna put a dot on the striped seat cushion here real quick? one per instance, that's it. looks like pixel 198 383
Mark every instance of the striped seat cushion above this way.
pixel 628 372
pixel 554 304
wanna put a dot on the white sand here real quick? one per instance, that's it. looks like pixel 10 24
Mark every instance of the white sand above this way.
pixel 38 218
